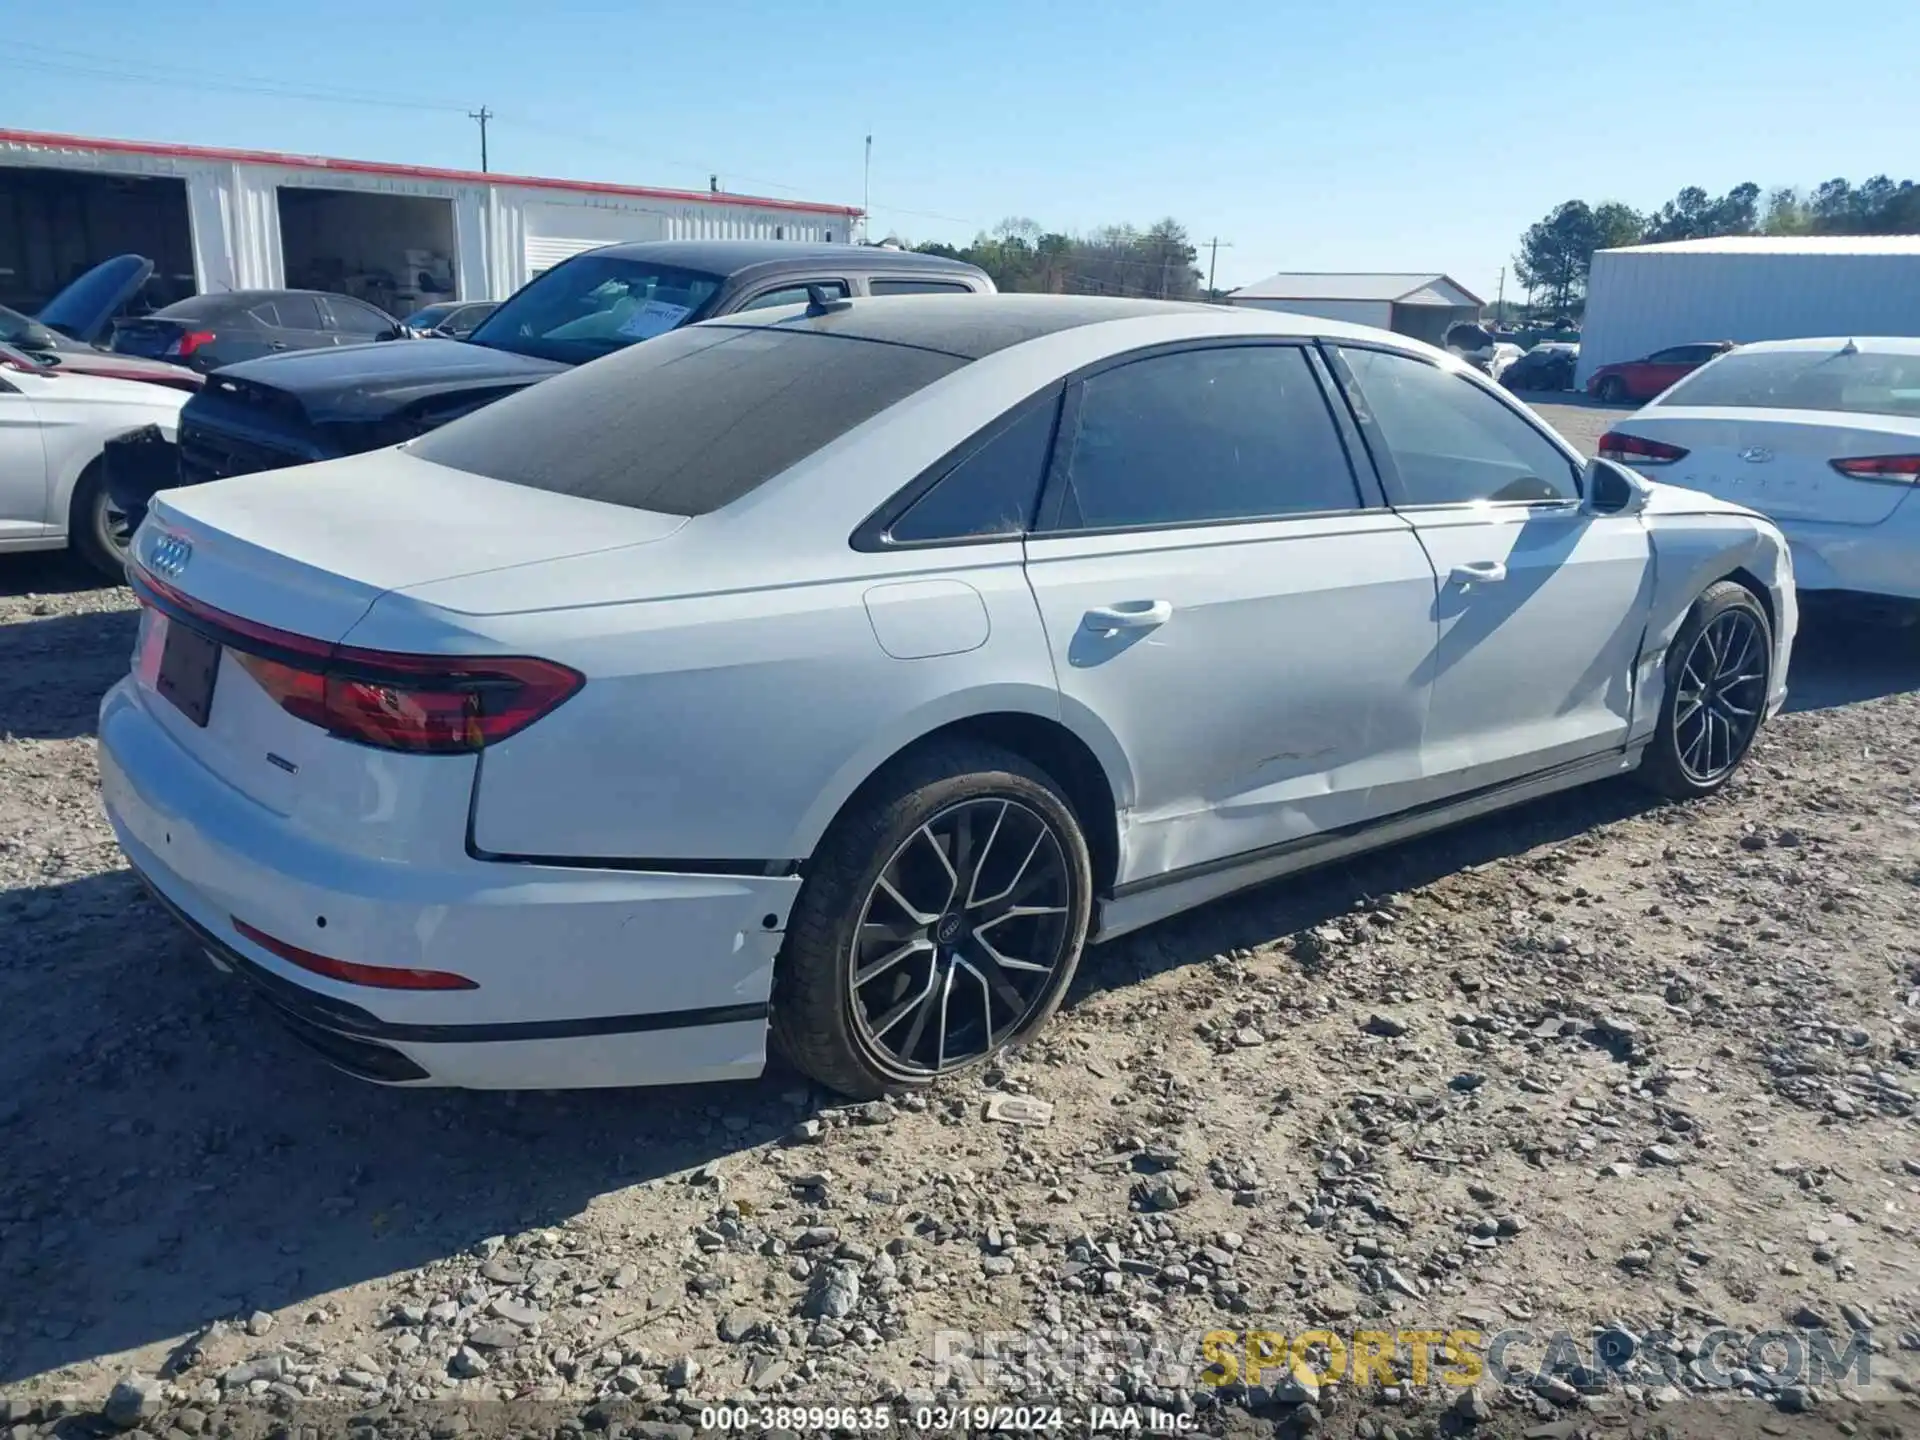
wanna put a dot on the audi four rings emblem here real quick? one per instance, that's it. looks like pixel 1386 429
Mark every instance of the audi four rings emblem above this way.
pixel 1756 455
pixel 169 555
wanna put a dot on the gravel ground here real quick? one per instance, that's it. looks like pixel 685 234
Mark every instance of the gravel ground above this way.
pixel 1593 1066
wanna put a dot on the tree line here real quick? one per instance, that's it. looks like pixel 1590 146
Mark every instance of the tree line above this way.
pixel 1556 252
pixel 1159 261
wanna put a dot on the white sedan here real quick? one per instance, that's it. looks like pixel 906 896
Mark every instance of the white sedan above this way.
pixel 1823 436
pixel 54 426
pixel 837 675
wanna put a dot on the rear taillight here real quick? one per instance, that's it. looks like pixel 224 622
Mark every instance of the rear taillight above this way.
pixel 349 972
pixel 186 344
pixel 1901 469
pixel 1633 450
pixel 422 704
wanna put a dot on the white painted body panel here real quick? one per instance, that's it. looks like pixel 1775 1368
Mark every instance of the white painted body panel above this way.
pixel 1285 693
pixel 52 427
pixel 636 850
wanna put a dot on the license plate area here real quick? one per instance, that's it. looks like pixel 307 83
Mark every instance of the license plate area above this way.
pixel 179 664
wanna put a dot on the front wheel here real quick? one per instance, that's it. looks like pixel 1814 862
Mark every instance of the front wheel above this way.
pixel 941 920
pixel 1719 674
pixel 1613 390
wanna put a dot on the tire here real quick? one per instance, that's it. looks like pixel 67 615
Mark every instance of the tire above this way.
pixel 1673 763
pixel 96 531
pixel 1612 391
pixel 902 828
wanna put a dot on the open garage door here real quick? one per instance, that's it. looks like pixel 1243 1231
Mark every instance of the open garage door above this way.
pixel 394 251
pixel 56 225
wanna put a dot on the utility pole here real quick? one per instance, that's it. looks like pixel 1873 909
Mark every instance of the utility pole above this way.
pixel 483 114
pixel 1500 305
pixel 866 195
pixel 1213 257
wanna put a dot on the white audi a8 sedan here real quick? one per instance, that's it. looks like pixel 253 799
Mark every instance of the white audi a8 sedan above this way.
pixel 828 678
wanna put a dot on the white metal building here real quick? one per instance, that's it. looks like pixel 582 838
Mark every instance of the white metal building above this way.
pixel 1646 297
pixel 1423 306
pixel 399 235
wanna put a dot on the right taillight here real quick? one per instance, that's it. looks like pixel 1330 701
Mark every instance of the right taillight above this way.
pixel 422 704
pixel 1900 469
pixel 1633 450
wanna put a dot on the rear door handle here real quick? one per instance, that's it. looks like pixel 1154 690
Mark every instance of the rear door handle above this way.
pixel 1104 619
pixel 1480 572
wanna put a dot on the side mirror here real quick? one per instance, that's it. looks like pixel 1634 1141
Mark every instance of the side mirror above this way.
pixel 1613 489
pixel 36 337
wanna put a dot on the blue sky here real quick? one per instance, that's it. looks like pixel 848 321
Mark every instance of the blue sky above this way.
pixel 1363 135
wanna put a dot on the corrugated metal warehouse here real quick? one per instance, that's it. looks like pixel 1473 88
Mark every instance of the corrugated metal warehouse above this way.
pixel 1423 306
pixel 1742 288
pixel 397 235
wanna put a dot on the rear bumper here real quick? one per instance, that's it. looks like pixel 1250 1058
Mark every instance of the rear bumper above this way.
pixel 585 977
pixel 1882 559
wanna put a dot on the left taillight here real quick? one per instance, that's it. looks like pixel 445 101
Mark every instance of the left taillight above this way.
pixel 422 704
pixel 186 343
pixel 1900 469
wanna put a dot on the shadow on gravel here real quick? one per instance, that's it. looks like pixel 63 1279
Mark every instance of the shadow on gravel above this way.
pixel 57 667
pixel 1839 660
pixel 50 573
pixel 170 1156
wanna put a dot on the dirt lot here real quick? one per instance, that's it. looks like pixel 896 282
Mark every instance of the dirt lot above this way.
pixel 1596 1066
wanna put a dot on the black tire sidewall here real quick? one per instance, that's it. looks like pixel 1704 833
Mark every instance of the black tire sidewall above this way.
pixel 87 529
pixel 853 854
pixel 1664 748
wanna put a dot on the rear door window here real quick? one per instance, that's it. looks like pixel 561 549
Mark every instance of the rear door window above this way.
pixel 350 317
pixel 1196 437
pixel 298 312
pixel 688 422
pixel 992 490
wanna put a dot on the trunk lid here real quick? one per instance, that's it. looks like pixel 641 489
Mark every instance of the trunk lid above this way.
pixel 85 309
pixel 148 336
pixel 308 551
pixel 1777 461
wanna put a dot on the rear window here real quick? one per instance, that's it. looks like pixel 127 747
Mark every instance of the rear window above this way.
pixel 1856 383
pixel 688 422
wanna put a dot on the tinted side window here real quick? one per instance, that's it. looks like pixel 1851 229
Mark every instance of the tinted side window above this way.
pixel 1450 442
pixel 879 286
pixel 1201 435
pixel 794 295
pixel 353 318
pixel 1676 355
pixel 990 492
pixel 266 312
pixel 298 312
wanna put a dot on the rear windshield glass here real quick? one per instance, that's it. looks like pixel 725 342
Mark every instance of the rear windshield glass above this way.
pixel 686 423
pixel 1860 383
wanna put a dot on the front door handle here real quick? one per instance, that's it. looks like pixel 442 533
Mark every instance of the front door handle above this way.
pixel 1480 572
pixel 1105 619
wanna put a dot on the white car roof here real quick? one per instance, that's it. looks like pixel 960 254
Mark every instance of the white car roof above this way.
pixel 1871 344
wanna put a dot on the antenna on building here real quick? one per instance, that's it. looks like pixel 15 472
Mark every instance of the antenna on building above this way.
pixel 713 184
pixel 866 194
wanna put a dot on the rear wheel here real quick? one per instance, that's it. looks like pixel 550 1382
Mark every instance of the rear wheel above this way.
pixel 1613 390
pixel 1719 674
pixel 98 531
pixel 941 920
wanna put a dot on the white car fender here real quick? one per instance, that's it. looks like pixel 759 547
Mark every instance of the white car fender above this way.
pixel 1697 540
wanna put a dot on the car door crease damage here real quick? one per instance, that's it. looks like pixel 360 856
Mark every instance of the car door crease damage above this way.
pixel 655 804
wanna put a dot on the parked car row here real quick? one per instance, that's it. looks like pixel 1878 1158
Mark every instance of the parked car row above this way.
pixel 1073 613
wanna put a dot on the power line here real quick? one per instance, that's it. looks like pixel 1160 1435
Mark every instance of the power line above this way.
pixel 483 114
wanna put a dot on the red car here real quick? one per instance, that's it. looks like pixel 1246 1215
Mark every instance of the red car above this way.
pixel 1645 378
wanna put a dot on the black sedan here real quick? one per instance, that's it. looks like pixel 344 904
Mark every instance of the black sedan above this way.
pixel 208 331
pixel 1547 366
